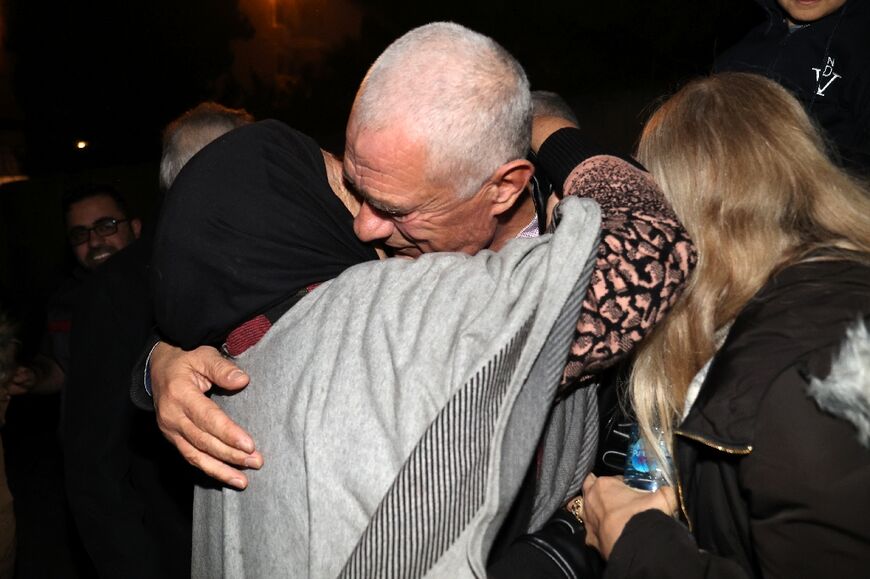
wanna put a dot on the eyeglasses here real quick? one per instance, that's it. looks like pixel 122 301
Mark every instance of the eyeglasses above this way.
pixel 103 227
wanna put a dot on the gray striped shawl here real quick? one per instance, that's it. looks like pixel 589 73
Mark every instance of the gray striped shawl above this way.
pixel 398 408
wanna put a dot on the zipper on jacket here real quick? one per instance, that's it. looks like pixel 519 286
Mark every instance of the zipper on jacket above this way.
pixel 680 501
pixel 741 451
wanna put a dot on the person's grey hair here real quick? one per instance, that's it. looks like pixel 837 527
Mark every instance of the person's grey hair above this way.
pixel 185 136
pixel 549 104
pixel 456 91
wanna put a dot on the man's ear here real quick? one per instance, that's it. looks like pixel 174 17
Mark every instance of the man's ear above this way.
pixel 136 226
pixel 510 181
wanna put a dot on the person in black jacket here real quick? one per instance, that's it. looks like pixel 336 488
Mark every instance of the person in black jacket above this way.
pixel 820 51
pixel 766 413
pixel 130 493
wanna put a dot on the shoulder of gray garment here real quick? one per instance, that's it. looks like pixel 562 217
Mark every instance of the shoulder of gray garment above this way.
pixel 399 406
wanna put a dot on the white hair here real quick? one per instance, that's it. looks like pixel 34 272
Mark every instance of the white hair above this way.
pixel 456 91
pixel 188 134
pixel 550 104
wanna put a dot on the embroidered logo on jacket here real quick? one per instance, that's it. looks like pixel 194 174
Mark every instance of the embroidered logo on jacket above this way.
pixel 825 77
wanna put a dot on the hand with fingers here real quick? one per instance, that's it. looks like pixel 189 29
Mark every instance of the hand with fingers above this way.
pixel 206 437
pixel 608 504
pixel 22 381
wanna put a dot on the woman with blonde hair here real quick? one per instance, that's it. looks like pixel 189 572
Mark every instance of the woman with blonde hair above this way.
pixel 759 379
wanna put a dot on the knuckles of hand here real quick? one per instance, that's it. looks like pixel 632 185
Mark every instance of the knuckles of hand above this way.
pixel 193 458
pixel 200 439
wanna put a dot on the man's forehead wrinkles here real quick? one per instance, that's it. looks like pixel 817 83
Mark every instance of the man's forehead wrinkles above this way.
pixel 369 184
pixel 360 190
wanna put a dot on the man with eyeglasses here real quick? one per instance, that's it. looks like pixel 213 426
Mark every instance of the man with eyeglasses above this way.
pixel 97 227
pixel 97 224
pixel 130 496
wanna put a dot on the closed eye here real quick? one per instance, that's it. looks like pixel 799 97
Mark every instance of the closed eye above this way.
pixel 387 211
pixel 393 213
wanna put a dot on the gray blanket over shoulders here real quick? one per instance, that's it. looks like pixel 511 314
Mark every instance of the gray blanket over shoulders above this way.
pixel 398 408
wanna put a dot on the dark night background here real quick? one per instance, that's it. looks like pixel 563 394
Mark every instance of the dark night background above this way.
pixel 114 73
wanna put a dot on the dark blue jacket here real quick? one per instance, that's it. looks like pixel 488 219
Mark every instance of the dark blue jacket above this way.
pixel 826 64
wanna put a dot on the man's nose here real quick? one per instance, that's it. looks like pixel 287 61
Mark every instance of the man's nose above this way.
pixel 371 225
pixel 94 238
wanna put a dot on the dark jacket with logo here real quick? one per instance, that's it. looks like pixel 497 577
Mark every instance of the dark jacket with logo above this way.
pixel 772 484
pixel 826 64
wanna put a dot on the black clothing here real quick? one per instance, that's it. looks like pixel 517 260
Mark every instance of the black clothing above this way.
pixel 59 314
pixel 826 64
pixel 553 552
pixel 772 486
pixel 34 458
pixel 557 551
pixel 249 221
pixel 130 492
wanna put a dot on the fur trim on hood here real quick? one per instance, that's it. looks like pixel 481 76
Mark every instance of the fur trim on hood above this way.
pixel 845 392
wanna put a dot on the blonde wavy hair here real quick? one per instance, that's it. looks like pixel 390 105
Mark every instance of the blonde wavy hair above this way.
pixel 748 174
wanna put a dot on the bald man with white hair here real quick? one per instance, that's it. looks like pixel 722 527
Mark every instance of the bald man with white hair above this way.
pixel 437 143
pixel 436 150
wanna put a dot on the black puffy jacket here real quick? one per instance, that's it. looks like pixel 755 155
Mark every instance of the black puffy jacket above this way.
pixel 772 485
pixel 826 64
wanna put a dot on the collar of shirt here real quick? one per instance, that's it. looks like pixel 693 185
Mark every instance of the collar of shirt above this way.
pixel 531 230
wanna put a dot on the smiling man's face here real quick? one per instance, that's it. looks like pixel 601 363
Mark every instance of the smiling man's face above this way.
pixel 809 10
pixel 98 248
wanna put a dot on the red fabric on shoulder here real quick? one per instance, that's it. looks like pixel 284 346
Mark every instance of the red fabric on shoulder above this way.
pixel 247 335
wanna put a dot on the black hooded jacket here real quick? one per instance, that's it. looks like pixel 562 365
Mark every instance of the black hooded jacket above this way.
pixel 774 480
pixel 825 63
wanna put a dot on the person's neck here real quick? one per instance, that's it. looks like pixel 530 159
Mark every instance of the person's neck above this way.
pixel 512 223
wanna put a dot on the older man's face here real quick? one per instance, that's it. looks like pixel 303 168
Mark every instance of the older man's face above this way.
pixel 402 207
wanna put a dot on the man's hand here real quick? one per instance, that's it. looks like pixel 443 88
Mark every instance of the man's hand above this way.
pixel 201 431
pixel 22 381
pixel 41 376
pixel 608 504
